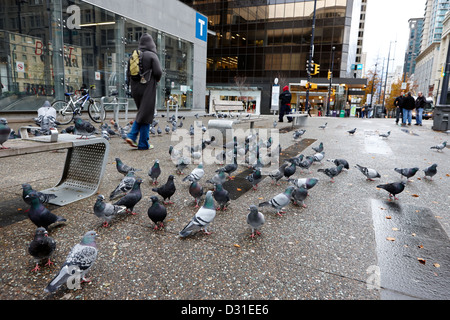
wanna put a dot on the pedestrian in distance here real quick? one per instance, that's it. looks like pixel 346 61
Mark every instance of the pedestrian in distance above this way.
pixel 398 103
pixel 408 105
pixel 285 105
pixel 420 104
pixel 143 91
pixel 363 111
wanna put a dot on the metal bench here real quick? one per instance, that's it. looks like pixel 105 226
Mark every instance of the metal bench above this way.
pixel 227 106
pixel 299 119
pixel 223 125
pixel 83 168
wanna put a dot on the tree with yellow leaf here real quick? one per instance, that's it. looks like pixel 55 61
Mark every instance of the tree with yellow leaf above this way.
pixel 372 79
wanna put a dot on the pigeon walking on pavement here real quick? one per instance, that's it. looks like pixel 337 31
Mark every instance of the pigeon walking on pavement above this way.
pixel 440 146
pixel 154 172
pixel 290 170
pixel 307 183
pixel 352 132
pixel 157 213
pixel 124 186
pixel 323 126
pixel 78 263
pixel 385 135
pixel 254 178
pixel 221 196
pixel 167 190
pixel 393 188
pixel 255 220
pixel 5 132
pixel 368 172
pixel 196 174
pixel 124 168
pixel 407 172
pixel 299 195
pixel 202 218
pixel 41 247
pixel 131 198
pixel 106 211
pixel 196 191
pixel 430 171
pixel 319 148
pixel 298 133
pixel 229 168
pixel 332 172
pixel 39 214
pixel 83 127
pixel 277 174
pixel 43 197
pixel 340 161
pixel 279 201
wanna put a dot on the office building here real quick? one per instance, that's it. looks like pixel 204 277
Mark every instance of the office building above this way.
pixel 413 46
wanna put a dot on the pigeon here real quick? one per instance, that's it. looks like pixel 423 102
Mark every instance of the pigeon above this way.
pixel 332 172
pixel 393 188
pixel 323 126
pixel 43 197
pixel 131 198
pixel 229 168
pixel 352 132
pixel 340 161
pixel 83 128
pixel 255 219
pixel 305 164
pixel 167 190
pixel 196 191
pixel 368 172
pixel 319 148
pixel 296 159
pixel 182 163
pixel 79 261
pixel 154 172
pixel 307 183
pixel 41 248
pixel 318 157
pixel 298 133
pixel 106 211
pixel 430 171
pixel 39 214
pixel 167 129
pixel 407 172
pixel 218 178
pixel 290 170
pixel 279 201
pixel 158 130
pixel 385 135
pixel 202 218
pixel 5 131
pixel 274 124
pixel 124 168
pixel 299 195
pixel 221 196
pixel 254 178
pixel 277 174
pixel 125 186
pixel 157 213
pixel 440 147
pixel 195 174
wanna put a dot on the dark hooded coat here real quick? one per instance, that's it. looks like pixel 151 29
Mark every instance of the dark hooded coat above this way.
pixel 144 95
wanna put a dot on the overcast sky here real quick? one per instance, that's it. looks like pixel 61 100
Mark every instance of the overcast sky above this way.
pixel 386 22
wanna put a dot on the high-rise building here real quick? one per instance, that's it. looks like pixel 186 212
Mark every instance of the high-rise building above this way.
pixel 413 47
pixel 252 42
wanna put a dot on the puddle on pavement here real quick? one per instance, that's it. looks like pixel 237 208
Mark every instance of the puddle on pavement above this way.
pixel 413 251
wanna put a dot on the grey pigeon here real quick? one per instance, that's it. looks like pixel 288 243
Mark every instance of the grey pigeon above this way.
pixel 78 262
pixel 39 214
pixel 319 148
pixel 182 164
pixel 221 196
pixel 440 147
pixel 298 133
pixel 229 168
pixel 218 178
pixel 5 131
pixel 430 171
pixel 255 219
pixel 407 172
pixel 305 164
pixel 195 174
pixel 352 131
pixel 307 183
pixel 196 191
pixel 106 211
pixel 124 168
pixel 202 218
pixel 43 197
pixel 290 170
pixel 299 195
pixel 131 198
pixel 157 213
pixel 368 172
pixel 167 129
pixel 83 128
pixel 167 190
pixel 323 126
pixel 332 172
pixel 340 161
pixel 158 130
pixel 296 159
pixel 254 178
pixel 125 186
pixel 393 188
pixel 385 135
pixel 318 157
pixel 154 172
pixel 279 201
pixel 41 248
pixel 277 174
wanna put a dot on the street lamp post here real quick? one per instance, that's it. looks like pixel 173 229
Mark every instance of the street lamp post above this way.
pixel 310 55
pixel 331 81
pixel 373 81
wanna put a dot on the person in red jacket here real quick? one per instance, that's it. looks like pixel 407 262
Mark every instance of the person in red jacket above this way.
pixel 285 106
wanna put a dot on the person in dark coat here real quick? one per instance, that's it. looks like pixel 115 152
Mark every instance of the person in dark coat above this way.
pixel 143 92
pixel 408 105
pixel 420 104
pixel 285 106
pixel 398 103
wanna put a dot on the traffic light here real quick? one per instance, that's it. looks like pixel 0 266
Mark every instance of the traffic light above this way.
pixel 310 67
pixel 330 74
pixel 316 68
pixel 307 85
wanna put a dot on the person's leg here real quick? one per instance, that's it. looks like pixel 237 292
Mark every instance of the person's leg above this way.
pixel 397 115
pixel 281 115
pixel 144 134
pixel 132 135
pixel 419 114
pixel 404 111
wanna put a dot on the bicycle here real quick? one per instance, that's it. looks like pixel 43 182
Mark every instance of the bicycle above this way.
pixel 67 110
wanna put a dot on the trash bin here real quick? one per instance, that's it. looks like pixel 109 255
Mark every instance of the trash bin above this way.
pixel 342 115
pixel 440 117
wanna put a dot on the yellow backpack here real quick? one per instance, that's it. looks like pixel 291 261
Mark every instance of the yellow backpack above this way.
pixel 135 65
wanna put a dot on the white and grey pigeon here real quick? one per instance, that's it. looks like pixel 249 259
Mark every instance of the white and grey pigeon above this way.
pixel 83 128
pixel 5 132
pixel 299 195
pixel 203 217
pixel 196 174
pixel 318 157
pixel 277 174
pixel 279 201
pixel 368 172
pixel 440 147
pixel 323 126
pixel 431 171
pixel 106 211
pixel 298 133
pixel 308 183
pixel 255 220
pixel 385 135
pixel 125 186
pixel 79 261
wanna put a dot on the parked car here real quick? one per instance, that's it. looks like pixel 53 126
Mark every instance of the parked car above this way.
pixel 428 110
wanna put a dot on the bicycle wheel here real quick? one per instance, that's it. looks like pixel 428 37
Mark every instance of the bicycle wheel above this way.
pixel 64 111
pixel 96 111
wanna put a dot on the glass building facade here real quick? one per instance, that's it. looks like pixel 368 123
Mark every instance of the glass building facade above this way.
pixel 261 40
pixel 49 47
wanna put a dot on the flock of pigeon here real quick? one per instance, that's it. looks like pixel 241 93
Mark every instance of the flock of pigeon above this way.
pixel 128 193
